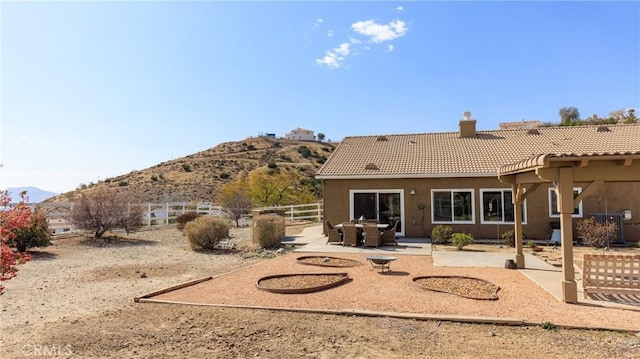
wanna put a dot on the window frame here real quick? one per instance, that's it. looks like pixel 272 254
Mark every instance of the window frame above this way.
pixel 452 191
pixel 551 192
pixel 502 191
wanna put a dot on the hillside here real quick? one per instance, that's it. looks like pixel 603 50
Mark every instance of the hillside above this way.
pixel 196 177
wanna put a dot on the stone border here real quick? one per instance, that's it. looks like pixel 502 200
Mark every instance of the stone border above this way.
pixel 495 293
pixel 300 260
pixel 345 278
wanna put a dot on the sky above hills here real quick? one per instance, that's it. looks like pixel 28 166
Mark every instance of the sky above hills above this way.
pixel 91 90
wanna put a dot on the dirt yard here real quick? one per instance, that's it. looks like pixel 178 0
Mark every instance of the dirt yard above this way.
pixel 75 299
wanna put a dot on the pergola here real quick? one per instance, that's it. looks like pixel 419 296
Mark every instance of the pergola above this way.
pixel 563 170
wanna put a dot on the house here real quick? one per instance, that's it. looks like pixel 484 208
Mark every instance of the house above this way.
pixel 452 178
pixel 300 134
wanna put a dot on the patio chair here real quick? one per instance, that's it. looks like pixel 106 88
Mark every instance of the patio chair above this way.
pixel 373 221
pixel 334 234
pixel 349 234
pixel 371 235
pixel 389 236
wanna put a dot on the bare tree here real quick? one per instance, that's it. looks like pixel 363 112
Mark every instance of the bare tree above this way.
pixel 106 209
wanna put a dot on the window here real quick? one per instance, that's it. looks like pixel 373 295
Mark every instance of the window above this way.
pixel 553 203
pixel 385 205
pixel 497 206
pixel 452 206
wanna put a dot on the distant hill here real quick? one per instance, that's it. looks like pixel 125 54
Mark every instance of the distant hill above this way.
pixel 36 195
pixel 197 177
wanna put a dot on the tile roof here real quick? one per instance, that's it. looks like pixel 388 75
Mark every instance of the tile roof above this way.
pixel 446 154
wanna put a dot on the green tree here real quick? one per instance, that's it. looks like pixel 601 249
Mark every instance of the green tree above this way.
pixel 631 117
pixel 569 116
pixel 280 187
pixel 235 196
pixel 320 136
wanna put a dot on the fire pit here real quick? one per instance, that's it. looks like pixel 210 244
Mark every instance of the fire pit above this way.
pixel 381 262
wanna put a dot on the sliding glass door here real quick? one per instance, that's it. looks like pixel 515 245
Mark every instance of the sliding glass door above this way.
pixel 384 205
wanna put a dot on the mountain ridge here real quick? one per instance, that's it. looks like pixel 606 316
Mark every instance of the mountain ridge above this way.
pixel 35 194
pixel 198 176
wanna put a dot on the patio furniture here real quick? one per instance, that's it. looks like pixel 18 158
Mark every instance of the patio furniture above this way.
pixel 381 262
pixel 349 234
pixel 371 235
pixel 334 234
pixel 389 235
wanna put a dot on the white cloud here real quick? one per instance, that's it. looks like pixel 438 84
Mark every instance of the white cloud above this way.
pixel 378 32
pixel 400 8
pixel 373 33
pixel 335 58
pixel 317 23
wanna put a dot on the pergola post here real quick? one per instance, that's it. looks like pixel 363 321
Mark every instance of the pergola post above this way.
pixel 564 193
pixel 516 199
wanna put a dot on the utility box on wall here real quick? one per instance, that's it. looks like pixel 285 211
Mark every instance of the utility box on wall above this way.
pixel 626 214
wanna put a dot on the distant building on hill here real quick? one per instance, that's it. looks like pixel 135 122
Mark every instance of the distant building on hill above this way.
pixel 519 125
pixel 300 134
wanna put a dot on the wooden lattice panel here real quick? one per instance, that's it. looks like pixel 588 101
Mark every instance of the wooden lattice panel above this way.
pixel 614 274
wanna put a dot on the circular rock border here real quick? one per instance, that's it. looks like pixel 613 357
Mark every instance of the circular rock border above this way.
pixel 494 295
pixel 343 278
pixel 301 260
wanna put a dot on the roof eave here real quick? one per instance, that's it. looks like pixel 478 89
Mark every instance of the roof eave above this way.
pixel 402 176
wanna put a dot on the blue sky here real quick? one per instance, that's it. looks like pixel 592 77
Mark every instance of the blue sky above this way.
pixel 91 90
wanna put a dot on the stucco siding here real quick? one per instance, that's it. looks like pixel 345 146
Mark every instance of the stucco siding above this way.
pixel 610 198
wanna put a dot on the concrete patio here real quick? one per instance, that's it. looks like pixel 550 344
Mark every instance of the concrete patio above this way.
pixel 548 277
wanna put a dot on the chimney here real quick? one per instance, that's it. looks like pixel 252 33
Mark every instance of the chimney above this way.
pixel 467 126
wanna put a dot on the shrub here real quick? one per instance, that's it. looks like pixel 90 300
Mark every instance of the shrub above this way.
pixel 123 183
pixel 441 234
pixel 596 234
pixel 509 238
pixel 548 326
pixel 206 232
pixel 460 240
pixel 35 233
pixel 268 230
pixel 224 175
pixel 304 151
pixel 154 178
pixel 272 165
pixel 186 167
pixel 184 218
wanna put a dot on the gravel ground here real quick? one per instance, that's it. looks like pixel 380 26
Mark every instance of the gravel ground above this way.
pixel 75 299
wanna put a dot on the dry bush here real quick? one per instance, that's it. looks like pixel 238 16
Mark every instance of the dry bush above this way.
pixel 596 234
pixel 183 219
pixel 206 232
pixel 268 230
